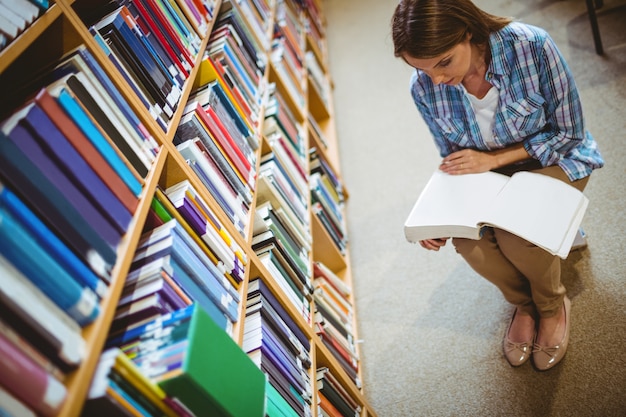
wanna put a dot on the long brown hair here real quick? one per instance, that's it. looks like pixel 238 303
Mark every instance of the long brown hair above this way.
pixel 428 28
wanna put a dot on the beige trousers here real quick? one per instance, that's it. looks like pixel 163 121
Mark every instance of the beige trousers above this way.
pixel 529 277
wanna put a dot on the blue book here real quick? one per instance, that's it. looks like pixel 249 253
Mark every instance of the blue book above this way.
pixel 202 256
pixel 280 359
pixel 50 242
pixel 24 140
pixel 188 264
pixel 230 108
pixel 155 111
pixel 239 69
pixel 25 253
pixel 65 155
pixel 36 189
pixel 165 320
pixel 91 131
pixel 200 297
pixel 207 281
pixel 114 26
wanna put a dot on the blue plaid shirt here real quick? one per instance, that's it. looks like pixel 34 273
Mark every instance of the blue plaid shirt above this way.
pixel 538 104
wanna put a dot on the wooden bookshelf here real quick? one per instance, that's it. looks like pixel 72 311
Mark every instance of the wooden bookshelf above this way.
pixel 62 28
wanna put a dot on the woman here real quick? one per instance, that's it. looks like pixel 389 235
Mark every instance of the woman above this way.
pixel 497 95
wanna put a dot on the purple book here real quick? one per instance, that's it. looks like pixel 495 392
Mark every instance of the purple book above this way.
pixel 76 168
pixel 24 140
pixel 271 299
pixel 189 211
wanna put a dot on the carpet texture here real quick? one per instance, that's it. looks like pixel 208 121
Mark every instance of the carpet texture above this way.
pixel 431 327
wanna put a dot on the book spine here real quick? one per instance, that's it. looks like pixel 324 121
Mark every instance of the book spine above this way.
pixel 38 191
pixel 28 256
pixel 51 243
pixel 28 382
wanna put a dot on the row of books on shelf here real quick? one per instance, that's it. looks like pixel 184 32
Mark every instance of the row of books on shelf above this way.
pixel 16 16
pixel 314 26
pixel 334 318
pixel 328 200
pixel 179 364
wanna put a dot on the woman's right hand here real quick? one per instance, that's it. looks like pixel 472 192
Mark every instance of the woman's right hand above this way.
pixel 433 244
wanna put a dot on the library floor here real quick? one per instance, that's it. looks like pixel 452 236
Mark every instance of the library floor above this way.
pixel 431 327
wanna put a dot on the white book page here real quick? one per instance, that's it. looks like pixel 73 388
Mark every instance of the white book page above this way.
pixel 541 209
pixel 450 203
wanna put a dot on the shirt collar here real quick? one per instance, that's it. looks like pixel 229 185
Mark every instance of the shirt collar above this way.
pixel 498 66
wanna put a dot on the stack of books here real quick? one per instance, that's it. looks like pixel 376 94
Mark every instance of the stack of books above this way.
pixel 287 54
pixel 16 16
pixel 319 80
pixel 334 400
pixel 280 349
pixel 182 363
pixel 72 164
pixel 314 25
pixel 170 270
pixel 118 387
pixel 285 252
pixel 333 319
pixel 327 199
pixel 154 45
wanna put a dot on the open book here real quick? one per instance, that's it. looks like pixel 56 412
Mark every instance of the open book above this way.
pixel 540 209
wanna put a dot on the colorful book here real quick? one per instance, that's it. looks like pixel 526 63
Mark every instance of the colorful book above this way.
pixel 11 406
pixel 28 256
pixel 29 143
pixel 214 373
pixel 28 382
pixel 39 192
pixel 50 242
pixel 87 150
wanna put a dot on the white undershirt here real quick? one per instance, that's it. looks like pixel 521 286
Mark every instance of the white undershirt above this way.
pixel 485 111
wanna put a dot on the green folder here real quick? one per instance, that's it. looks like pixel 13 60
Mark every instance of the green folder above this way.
pixel 218 378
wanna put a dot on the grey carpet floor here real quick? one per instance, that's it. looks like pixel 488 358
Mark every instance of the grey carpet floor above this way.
pixel 431 327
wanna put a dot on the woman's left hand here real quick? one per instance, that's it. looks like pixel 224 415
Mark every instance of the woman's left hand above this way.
pixel 467 161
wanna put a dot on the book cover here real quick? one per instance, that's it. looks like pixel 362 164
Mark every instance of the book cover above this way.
pixel 277 406
pixel 542 210
pixel 214 373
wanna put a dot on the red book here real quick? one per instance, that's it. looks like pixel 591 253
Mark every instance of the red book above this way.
pixel 156 14
pixel 336 346
pixel 229 153
pixel 234 91
pixel 328 406
pixel 224 133
pixel 148 27
pixel 28 382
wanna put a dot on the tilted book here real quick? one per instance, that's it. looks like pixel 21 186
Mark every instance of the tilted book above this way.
pixel 540 209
